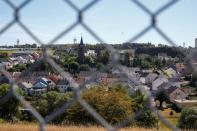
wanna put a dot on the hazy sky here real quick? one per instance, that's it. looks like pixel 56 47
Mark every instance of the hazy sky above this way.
pixel 115 21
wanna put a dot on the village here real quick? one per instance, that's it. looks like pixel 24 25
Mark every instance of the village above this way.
pixel 170 82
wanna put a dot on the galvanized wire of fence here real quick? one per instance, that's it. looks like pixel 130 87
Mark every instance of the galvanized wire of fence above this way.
pixel 113 61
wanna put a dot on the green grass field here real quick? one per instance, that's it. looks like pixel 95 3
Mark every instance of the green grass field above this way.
pixel 172 118
pixel 7 51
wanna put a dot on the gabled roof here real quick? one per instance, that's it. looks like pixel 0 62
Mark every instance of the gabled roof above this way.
pixel 164 86
pixel 174 79
pixel 171 66
pixel 40 85
pixel 144 74
pixel 171 89
pixel 152 75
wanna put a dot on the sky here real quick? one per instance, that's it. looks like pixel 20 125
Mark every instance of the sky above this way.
pixel 114 21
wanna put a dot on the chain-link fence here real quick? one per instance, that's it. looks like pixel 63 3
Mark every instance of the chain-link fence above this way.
pixel 114 61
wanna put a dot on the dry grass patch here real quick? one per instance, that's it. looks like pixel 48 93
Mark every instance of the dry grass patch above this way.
pixel 34 127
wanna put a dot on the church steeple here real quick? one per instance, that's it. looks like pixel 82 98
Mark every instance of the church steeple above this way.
pixel 81 42
pixel 81 52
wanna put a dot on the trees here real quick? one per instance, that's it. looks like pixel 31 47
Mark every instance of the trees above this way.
pixel 114 106
pixel 188 119
pixel 194 79
pixel 9 110
pixel 17 68
pixel 49 102
pixel 127 59
pixel 99 66
pixel 161 96
pixel 74 67
pixel 103 58
pixel 89 60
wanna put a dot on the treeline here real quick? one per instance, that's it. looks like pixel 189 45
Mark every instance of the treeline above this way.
pixel 154 51
pixel 21 46
pixel 132 45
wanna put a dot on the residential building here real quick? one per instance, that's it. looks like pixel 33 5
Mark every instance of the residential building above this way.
pixel 64 86
pixel 196 43
pixel 175 93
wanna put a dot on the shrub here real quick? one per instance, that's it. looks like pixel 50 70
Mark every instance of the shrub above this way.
pixel 147 119
pixel 188 119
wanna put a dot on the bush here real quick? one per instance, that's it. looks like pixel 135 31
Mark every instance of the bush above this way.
pixel 147 119
pixel 188 119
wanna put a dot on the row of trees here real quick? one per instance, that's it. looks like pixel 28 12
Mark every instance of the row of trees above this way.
pixel 154 51
pixel 21 46
pixel 146 63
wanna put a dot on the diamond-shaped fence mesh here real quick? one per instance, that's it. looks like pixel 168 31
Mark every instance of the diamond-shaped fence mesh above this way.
pixel 113 62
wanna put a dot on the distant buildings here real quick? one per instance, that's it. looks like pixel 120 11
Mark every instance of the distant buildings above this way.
pixel 196 43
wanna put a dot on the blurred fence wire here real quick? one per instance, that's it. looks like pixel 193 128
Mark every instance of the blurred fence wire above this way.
pixel 113 60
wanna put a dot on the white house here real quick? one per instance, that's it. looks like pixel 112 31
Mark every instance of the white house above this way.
pixel 90 53
pixel 162 56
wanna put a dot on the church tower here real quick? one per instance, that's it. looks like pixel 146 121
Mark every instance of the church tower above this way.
pixel 81 52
